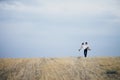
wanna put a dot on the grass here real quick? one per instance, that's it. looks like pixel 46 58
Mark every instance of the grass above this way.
pixel 69 68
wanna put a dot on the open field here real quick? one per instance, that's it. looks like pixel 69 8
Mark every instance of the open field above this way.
pixel 69 68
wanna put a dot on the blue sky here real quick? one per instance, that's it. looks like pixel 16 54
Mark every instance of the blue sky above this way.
pixel 56 28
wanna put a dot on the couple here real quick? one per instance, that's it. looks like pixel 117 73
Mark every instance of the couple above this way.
pixel 86 47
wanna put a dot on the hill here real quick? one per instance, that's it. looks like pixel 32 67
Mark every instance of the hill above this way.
pixel 69 68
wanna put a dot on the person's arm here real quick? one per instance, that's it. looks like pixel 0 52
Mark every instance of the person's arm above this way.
pixel 89 47
pixel 80 48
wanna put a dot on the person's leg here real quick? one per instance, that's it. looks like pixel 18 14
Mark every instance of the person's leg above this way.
pixel 85 53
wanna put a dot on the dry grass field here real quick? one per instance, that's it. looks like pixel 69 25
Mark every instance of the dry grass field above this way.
pixel 69 68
